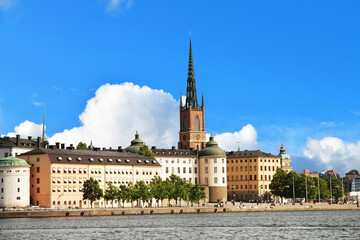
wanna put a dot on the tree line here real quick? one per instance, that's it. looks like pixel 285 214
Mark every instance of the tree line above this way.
pixel 285 184
pixel 173 188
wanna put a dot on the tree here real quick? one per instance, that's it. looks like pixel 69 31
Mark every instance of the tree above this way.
pixel 111 193
pixel 132 194
pixel 142 192
pixel 145 151
pixel 178 184
pixel 170 187
pixel 336 188
pixel 82 146
pixel 158 189
pixel 123 194
pixel 185 194
pixel 197 192
pixel 92 191
pixel 278 183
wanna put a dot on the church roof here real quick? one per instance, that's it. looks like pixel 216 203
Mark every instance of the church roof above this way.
pixel 248 153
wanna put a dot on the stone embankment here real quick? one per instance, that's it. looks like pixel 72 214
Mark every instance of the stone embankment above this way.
pixel 227 208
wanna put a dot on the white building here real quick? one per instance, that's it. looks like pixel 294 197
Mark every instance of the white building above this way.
pixel 212 161
pixel 16 145
pixel 14 183
pixel 181 162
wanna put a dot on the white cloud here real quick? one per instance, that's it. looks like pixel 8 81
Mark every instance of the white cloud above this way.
pixel 117 111
pixel 119 5
pixel 6 4
pixel 112 116
pixel 334 153
pixel 331 124
pixel 26 129
pixel 246 138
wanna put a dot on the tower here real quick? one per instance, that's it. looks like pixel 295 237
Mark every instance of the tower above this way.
pixel 285 159
pixel 192 115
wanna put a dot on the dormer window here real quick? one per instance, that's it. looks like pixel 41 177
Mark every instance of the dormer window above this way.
pixel 127 160
pixel 79 159
pixel 118 160
pixel 59 158
pixel 91 159
pixel 109 160
pixel 100 159
pixel 69 158
pixel 138 161
pixel 153 161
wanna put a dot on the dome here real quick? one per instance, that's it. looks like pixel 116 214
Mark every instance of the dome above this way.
pixel 13 162
pixel 135 144
pixel 212 149
pixel 283 155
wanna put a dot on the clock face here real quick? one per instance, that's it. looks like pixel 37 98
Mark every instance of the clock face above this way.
pixel 184 137
pixel 197 136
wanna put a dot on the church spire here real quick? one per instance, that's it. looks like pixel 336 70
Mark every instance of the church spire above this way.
pixel 191 96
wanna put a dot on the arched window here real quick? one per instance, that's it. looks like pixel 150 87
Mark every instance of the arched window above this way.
pixel 197 123
pixel 185 125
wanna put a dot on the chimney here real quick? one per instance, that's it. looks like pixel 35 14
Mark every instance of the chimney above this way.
pixel 17 140
pixel 57 145
pixel 29 137
pixel 104 148
pixel 119 148
pixel 38 142
pixel 110 148
pixel 173 148
pixel 72 146
pixel 153 147
pixel 63 146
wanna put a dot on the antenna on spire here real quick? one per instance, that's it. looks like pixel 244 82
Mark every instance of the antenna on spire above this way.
pixel 43 131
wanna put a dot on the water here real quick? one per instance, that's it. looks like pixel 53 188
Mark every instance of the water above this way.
pixel 256 225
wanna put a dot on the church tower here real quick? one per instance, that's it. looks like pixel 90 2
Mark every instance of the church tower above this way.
pixel 192 115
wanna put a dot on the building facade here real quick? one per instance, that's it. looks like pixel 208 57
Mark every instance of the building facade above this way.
pixel 212 164
pixel 58 175
pixel 249 174
pixel 192 133
pixel 14 183
pixel 285 159
pixel 15 145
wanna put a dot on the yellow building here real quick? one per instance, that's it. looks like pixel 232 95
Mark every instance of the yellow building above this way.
pixel 249 174
pixel 57 175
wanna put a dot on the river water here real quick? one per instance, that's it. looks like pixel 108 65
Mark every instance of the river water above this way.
pixel 253 225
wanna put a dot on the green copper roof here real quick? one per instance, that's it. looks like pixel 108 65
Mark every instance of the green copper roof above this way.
pixel 212 149
pixel 13 162
pixel 135 144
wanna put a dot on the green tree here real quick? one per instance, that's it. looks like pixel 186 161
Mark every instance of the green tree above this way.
pixel 143 192
pixel 185 194
pixel 123 194
pixel 145 151
pixel 278 183
pixel 170 187
pixel 92 191
pixel 197 192
pixel 178 184
pixel 111 193
pixel 82 146
pixel 132 194
pixel 324 189
pixel 336 188
pixel 158 189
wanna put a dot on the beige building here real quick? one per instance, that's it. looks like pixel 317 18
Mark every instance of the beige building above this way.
pixel 249 174
pixel 285 159
pixel 58 175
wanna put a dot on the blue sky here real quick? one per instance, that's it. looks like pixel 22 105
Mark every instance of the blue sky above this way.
pixel 290 69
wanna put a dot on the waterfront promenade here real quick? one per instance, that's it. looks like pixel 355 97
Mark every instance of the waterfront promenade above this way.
pixel 227 208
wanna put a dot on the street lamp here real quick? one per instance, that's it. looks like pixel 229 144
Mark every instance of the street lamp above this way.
pixel 293 190
pixel 330 192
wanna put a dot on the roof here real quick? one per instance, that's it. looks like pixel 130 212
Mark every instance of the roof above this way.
pixel 93 157
pixel 13 162
pixel 173 152
pixel 248 153
pixel 212 149
pixel 7 142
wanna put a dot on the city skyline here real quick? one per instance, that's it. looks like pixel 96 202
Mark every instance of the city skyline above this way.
pixel 268 71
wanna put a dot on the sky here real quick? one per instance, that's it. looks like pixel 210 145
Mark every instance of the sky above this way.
pixel 270 71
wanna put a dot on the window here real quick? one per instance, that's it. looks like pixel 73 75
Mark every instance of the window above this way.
pixel 261 177
pixel 255 177
pixel 254 186
pixel 237 168
pixel 245 168
pixel 250 177
pixel 185 124
pixel 232 169
pixel 232 178
pixel 215 169
pixel 206 160
pixel 184 169
pixel 250 186
pixel 223 179
pixel 223 169
pixel 18 198
pixel 166 170
pixel 178 169
pixel 38 190
pixel 38 180
pixel 18 189
pixel 195 170
pixel 196 181
pixel 206 181
pixel 241 168
pixel 38 169
pixel 250 168
pixel 245 186
pixel 237 177
pixel 245 177
pixel 223 160
pixel 273 168
pixel 241 177
pixel 189 169
pixel 265 186
pixel 18 179
pixel 38 159
pixel 2 190
pixel 260 168
pixel 197 123
pixel 206 170
pixel 215 160
pixel 215 180
pixel 265 168
pixel 254 168
pixel 2 180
